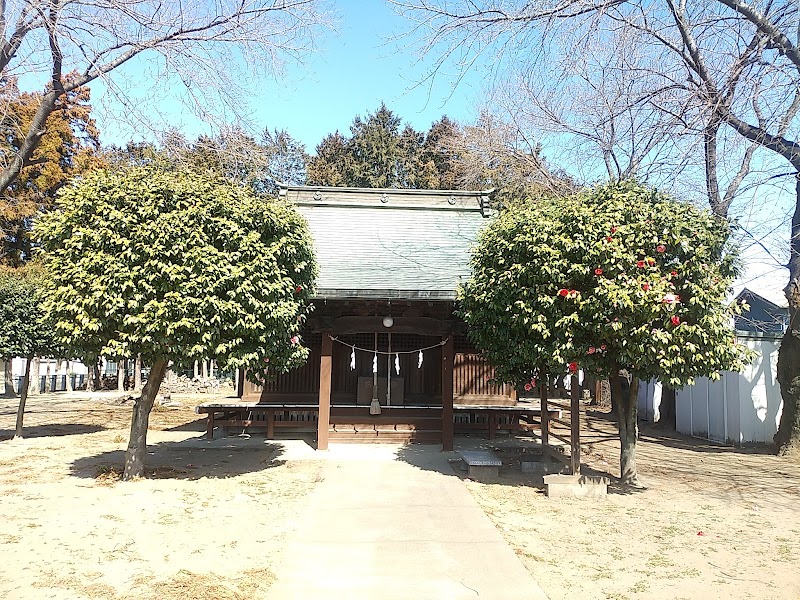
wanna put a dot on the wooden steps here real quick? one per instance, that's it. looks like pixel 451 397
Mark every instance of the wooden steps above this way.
pixel 384 436
pixel 377 429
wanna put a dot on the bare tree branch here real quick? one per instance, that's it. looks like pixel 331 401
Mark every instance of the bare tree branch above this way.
pixel 200 42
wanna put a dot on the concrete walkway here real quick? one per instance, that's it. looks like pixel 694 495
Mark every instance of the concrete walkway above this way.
pixel 397 529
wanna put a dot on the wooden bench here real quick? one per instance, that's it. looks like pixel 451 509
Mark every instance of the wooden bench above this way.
pixel 502 417
pixel 481 464
pixel 239 414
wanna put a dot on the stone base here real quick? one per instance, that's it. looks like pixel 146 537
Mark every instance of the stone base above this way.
pixel 481 464
pixel 575 486
pixel 483 473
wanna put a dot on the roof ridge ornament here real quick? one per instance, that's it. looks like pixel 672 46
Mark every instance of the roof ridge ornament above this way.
pixel 384 197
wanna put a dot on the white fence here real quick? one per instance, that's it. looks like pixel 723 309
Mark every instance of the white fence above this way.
pixel 739 408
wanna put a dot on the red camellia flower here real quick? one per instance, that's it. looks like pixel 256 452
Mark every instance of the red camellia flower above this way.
pixel 608 239
pixel 651 260
pixel 563 292
pixel 591 350
pixel 298 289
pixel 295 339
pixel 573 367
pixel 661 248
pixel 603 347
pixel 528 387
pixel 640 264
pixel 598 271
pixel 675 319
pixel 646 287
pixel 613 230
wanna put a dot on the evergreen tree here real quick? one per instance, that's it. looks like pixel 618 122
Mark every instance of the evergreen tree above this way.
pixel 332 163
pixel 383 153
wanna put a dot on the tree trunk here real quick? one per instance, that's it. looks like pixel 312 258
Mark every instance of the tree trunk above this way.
pixel 23 397
pixel 122 370
pixel 68 381
pixel 48 387
pixel 92 374
pixel 788 436
pixel 211 366
pixel 97 384
pixel 196 369
pixel 205 369
pixel 137 374
pixel 137 444
pixel 624 396
pixel 8 378
pixel 34 378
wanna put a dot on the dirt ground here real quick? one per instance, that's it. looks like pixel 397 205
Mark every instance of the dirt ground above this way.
pixel 714 522
pixel 209 524
pixel 212 520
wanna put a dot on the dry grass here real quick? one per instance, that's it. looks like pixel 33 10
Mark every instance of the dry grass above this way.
pixel 84 586
pixel 69 528
pixel 716 522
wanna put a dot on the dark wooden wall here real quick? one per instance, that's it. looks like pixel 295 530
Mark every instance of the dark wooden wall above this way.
pixel 471 377
pixel 421 386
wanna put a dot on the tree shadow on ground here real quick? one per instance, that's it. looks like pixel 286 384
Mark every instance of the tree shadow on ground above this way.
pixel 600 425
pixel 673 439
pixel 196 425
pixel 431 458
pixel 750 474
pixel 191 459
pixel 52 430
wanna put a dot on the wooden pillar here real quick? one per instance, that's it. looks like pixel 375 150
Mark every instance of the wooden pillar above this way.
pixel 270 423
pixel 210 425
pixel 545 414
pixel 575 426
pixel 324 419
pixel 448 356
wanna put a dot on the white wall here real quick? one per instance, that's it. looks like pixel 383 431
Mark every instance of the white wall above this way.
pixel 739 408
pixel 75 367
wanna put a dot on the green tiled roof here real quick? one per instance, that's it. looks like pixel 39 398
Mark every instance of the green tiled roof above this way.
pixel 387 243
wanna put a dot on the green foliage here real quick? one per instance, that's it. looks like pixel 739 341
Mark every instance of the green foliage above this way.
pixel 618 277
pixel 177 265
pixel 23 330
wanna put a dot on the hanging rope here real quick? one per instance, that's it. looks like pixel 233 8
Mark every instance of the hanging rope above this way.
pixel 371 351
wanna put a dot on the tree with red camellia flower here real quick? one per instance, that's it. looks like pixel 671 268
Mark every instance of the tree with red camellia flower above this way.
pixel 620 281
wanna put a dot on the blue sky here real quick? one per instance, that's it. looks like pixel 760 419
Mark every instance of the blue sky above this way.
pixel 349 75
